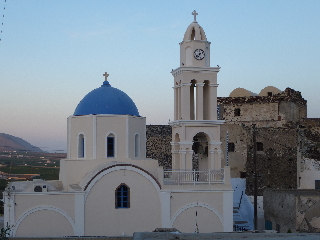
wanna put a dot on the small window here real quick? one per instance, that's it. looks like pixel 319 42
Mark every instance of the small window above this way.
pixel 237 112
pixel 317 184
pixel 81 146
pixel 259 146
pixel 230 147
pixel 122 196
pixel 269 94
pixel 243 174
pixel 268 225
pixel 110 145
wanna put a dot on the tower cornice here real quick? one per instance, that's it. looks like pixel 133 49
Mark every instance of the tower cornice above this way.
pixel 187 41
pixel 196 122
pixel 180 70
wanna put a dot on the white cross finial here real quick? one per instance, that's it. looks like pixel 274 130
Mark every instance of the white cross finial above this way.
pixel 194 13
pixel 105 76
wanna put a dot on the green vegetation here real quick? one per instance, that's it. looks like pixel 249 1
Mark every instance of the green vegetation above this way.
pixel 46 173
pixel 44 164
pixel 5 232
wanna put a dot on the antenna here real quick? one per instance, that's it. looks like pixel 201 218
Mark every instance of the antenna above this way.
pixel 2 18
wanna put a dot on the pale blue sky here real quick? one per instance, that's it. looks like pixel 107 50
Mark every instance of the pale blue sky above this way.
pixel 52 53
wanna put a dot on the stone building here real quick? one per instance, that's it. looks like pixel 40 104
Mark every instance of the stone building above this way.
pixel 277 116
pixel 287 141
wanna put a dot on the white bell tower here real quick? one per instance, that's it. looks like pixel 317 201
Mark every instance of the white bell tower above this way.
pixel 195 129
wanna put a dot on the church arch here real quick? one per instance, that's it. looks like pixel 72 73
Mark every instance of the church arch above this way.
pixel 111 145
pixel 81 145
pixel 118 167
pixel 196 204
pixel 207 135
pixel 113 221
pixel 40 208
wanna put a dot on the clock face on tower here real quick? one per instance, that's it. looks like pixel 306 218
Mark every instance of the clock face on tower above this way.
pixel 198 54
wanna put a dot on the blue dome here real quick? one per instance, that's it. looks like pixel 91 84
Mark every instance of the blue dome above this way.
pixel 106 100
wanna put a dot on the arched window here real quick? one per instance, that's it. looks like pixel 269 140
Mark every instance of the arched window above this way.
pixel 81 146
pixel 122 197
pixel 137 145
pixel 110 145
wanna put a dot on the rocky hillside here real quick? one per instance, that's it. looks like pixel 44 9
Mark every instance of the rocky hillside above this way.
pixel 12 143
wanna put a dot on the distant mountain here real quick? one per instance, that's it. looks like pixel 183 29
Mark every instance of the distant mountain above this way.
pixel 12 143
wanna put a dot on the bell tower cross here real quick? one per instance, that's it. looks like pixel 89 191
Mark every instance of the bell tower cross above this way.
pixel 194 13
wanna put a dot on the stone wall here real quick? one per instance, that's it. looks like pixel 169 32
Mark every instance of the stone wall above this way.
pixel 279 110
pixel 297 210
pixel 276 163
pixel 159 144
pixel 239 136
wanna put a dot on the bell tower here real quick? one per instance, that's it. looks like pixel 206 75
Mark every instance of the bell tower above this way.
pixel 195 129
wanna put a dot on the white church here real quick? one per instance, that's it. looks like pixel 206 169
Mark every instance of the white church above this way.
pixel 107 187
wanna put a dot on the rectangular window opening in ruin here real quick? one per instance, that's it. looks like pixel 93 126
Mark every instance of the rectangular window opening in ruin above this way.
pixel 259 146
pixel 237 112
pixel 243 174
pixel 230 147
pixel 269 94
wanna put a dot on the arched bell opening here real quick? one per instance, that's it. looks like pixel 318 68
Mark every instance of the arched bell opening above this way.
pixel 193 34
pixel 200 152
pixel 175 152
pixel 193 99
pixel 206 100
pixel 176 140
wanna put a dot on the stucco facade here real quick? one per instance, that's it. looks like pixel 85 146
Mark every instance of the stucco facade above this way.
pixel 107 186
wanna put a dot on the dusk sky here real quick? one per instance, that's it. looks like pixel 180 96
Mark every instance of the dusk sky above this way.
pixel 52 53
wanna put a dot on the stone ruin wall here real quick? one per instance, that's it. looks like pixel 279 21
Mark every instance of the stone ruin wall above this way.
pixel 239 136
pixel 280 110
pixel 159 144
pixel 277 163
pixel 297 210
pixel 310 134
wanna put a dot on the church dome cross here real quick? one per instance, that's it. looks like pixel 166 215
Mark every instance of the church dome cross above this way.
pixel 106 75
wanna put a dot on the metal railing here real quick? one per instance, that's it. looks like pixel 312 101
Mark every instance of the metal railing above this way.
pixel 188 177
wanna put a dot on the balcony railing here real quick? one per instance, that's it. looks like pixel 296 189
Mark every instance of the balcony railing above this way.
pixel 192 177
